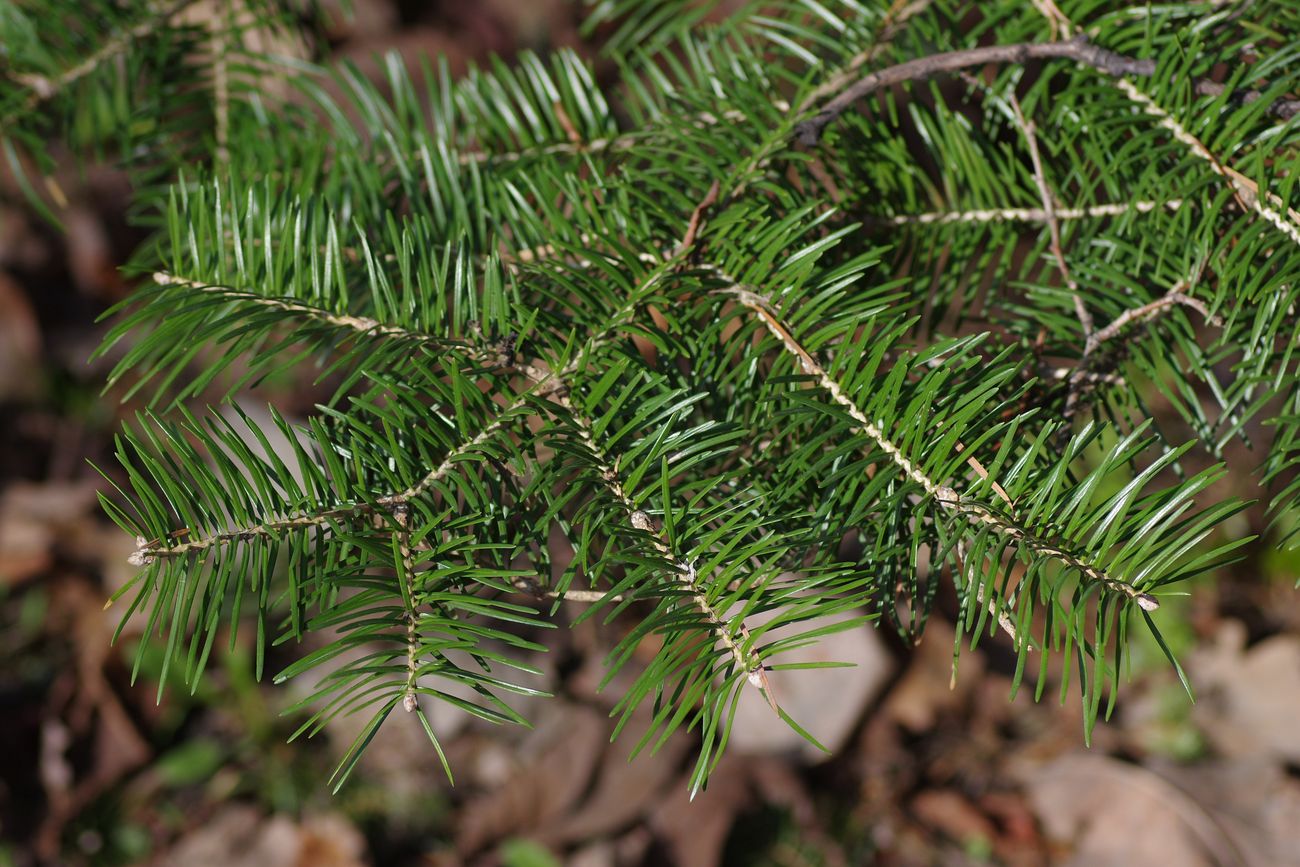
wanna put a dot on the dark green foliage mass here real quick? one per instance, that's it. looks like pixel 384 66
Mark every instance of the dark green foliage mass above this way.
pixel 741 365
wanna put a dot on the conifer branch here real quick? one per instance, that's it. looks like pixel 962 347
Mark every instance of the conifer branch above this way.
pixel 544 383
pixel 43 88
pixel 148 551
pixel 617 224
pixel 360 324
pixel 682 569
pixel 941 492
pixel 1246 190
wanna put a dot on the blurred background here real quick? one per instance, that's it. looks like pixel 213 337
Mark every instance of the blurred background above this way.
pixel 97 770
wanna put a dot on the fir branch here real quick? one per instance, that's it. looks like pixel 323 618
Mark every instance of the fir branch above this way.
pixel 405 562
pixel 681 569
pixel 298 309
pixel 977 513
pixel 1246 190
pixel 544 383
pixel 617 224
pixel 43 87
pixel 149 551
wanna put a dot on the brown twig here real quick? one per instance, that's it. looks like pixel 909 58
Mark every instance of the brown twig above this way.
pixel 1283 108
pixel 1049 209
pixel 697 216
pixel 1085 373
pixel 1152 309
pixel 1078 49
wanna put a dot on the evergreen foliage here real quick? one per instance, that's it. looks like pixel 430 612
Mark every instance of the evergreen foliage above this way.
pixel 751 339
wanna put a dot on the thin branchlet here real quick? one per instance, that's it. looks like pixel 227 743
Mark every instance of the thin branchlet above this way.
pixel 1028 129
pixel 406 574
pixel 1272 209
pixel 299 309
pixel 148 551
pixel 1078 49
pixel 1030 215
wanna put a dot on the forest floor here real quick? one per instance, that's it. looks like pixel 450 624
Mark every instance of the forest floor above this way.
pixel 95 770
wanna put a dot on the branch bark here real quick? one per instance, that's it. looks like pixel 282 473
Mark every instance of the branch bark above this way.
pixel 1078 48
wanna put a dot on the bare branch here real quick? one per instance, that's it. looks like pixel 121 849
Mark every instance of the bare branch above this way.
pixel 1086 375
pixel 1078 49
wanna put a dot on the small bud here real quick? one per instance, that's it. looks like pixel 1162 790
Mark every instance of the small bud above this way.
pixel 641 521
pixel 755 677
pixel 408 702
pixel 141 555
pixel 945 494
pixel 1147 602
